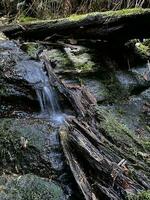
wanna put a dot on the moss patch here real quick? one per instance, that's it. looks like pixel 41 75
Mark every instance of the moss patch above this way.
pixel 126 12
pixel 25 19
pixel 143 49
pixel 118 133
pixel 140 196
pixel 15 156
pixel 122 12
pixel 29 187
pixel 81 59
pixel 31 49
pixel 117 130
pixel 58 58
pixel 76 17
pixel 147 145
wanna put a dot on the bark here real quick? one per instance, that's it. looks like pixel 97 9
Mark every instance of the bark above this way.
pixel 96 175
pixel 116 27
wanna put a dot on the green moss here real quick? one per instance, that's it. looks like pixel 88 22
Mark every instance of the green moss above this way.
pixel 31 48
pixel 112 126
pixel 29 187
pixel 81 60
pixel 125 12
pixel 14 156
pixel 59 58
pixel 146 145
pixel 14 129
pixel 144 195
pixel 147 42
pixel 87 66
pixel 148 128
pixel 76 17
pixel 140 196
pixel 143 49
pixel 24 19
pixel 118 132
pixel 114 87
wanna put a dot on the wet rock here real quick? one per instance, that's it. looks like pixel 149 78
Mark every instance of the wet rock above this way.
pixel 134 112
pixel 18 75
pixel 134 80
pixel 146 95
pixel 29 187
pixel 22 146
pixel 16 65
pixel 126 80
pixel 97 88
pixel 142 74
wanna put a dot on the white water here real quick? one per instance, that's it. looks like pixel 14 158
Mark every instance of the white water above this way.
pixel 48 99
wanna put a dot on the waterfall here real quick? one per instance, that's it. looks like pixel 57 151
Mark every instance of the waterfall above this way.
pixel 48 99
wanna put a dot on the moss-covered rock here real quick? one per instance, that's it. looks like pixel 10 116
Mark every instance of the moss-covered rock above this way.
pixel 118 132
pixel 97 88
pixel 58 59
pixel 22 146
pixel 32 48
pixel 29 187
pixel 75 58
pixel 124 141
pixel 140 196
pixel 81 58
pixel 143 50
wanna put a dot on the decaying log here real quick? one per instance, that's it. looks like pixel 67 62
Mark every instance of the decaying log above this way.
pixel 80 177
pixel 114 26
pixel 97 176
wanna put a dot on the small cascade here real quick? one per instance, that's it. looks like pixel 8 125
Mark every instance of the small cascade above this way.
pixel 48 100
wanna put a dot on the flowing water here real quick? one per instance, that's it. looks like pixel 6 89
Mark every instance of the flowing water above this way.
pixel 27 74
pixel 48 99
pixel 50 108
pixel 49 103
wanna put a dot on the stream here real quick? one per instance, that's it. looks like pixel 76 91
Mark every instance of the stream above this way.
pixel 33 165
pixel 48 99
pixel 34 111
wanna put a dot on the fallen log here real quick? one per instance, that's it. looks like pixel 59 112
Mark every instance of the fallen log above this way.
pixel 96 175
pixel 112 26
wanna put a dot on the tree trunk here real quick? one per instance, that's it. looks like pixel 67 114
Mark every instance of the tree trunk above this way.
pixel 113 26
